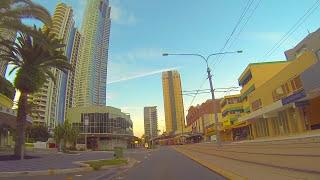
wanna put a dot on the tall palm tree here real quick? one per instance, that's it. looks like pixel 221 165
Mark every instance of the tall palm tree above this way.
pixel 12 11
pixel 66 133
pixel 33 62
pixel 58 135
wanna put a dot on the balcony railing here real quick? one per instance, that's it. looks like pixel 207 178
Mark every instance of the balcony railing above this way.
pixel 12 112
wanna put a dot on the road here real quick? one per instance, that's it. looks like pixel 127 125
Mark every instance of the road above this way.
pixel 160 164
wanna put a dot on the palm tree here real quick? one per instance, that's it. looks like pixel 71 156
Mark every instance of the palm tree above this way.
pixel 58 134
pixel 73 136
pixel 66 133
pixel 33 62
pixel 12 11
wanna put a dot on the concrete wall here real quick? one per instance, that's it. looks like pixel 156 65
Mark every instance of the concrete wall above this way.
pixel 313 111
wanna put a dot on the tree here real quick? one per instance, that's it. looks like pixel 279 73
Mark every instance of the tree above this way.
pixel 73 136
pixel 66 133
pixel 34 63
pixel 12 11
pixel 58 134
pixel 38 133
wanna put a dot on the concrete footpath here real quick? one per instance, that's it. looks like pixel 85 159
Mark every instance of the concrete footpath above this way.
pixel 265 160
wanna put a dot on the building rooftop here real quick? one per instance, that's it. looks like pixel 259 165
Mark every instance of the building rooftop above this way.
pixel 246 72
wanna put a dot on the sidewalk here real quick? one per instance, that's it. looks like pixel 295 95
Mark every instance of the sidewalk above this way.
pixel 45 161
pixel 309 136
pixel 258 161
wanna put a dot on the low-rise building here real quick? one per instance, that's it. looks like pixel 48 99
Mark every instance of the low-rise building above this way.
pixel 8 115
pixel 310 43
pixel 102 127
pixel 200 119
pixel 277 105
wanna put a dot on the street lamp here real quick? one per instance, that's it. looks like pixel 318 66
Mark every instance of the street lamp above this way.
pixel 206 59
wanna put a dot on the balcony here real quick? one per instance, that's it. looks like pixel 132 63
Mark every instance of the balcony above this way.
pixel 230 119
pixel 232 107
pixel 8 116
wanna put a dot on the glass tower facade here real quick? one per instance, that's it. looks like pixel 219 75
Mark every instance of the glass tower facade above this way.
pixel 91 74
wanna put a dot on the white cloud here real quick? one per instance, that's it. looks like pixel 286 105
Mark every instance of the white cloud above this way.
pixel 140 75
pixel 110 96
pixel 136 54
pixel 264 36
pixel 120 15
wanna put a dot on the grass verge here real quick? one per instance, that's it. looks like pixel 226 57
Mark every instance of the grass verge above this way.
pixel 96 165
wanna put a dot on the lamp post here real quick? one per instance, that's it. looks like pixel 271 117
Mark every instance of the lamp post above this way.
pixel 206 59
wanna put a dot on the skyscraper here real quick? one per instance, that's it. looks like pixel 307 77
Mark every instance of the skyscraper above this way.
pixel 74 57
pixel 150 122
pixel 173 102
pixel 9 35
pixel 91 76
pixel 51 99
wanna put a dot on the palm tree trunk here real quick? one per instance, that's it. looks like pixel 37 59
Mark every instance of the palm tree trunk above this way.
pixel 20 129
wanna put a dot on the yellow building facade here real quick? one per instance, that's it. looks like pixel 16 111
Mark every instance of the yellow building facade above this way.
pixel 173 102
pixel 272 101
pixel 273 106
pixel 232 109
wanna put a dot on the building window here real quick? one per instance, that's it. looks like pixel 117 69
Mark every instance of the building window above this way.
pixel 280 92
pixel 296 83
pixel 257 104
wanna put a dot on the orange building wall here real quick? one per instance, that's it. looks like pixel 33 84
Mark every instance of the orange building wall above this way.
pixel 313 111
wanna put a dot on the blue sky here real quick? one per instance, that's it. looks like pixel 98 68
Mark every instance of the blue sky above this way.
pixel 143 29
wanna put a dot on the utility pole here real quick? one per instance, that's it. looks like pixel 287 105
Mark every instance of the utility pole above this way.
pixel 216 121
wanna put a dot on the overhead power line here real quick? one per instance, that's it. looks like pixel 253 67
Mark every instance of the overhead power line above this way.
pixel 249 4
pixel 244 12
pixel 245 23
pixel 229 90
pixel 300 21
pixel 200 90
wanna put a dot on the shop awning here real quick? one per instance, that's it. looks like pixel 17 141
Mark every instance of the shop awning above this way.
pixel 240 125
pixel 261 112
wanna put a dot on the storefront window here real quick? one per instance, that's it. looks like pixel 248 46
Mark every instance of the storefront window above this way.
pixel 262 127
pixel 283 123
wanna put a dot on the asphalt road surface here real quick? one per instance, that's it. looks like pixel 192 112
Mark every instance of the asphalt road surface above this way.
pixel 160 164
pixel 167 164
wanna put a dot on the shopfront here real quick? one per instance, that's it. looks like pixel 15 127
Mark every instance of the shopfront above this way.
pixel 241 131
pixel 311 84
